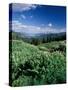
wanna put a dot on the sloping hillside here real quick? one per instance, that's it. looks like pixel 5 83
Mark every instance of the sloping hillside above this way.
pixel 29 65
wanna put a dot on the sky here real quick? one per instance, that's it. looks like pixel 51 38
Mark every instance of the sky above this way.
pixel 34 19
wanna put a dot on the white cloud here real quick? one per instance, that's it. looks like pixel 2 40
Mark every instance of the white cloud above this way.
pixel 18 7
pixel 23 16
pixel 50 24
pixel 32 30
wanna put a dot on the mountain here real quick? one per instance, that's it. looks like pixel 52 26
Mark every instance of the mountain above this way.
pixel 38 37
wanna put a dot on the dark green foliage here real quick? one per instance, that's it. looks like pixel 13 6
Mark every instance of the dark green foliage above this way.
pixel 47 38
pixel 37 39
pixel 62 47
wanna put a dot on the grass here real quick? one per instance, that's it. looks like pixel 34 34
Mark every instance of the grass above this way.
pixel 37 65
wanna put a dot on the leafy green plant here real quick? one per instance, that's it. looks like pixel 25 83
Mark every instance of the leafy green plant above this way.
pixel 29 65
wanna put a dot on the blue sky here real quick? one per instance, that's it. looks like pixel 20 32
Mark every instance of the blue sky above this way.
pixel 34 19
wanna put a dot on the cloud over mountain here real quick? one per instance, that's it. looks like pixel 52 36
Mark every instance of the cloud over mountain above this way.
pixel 32 30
